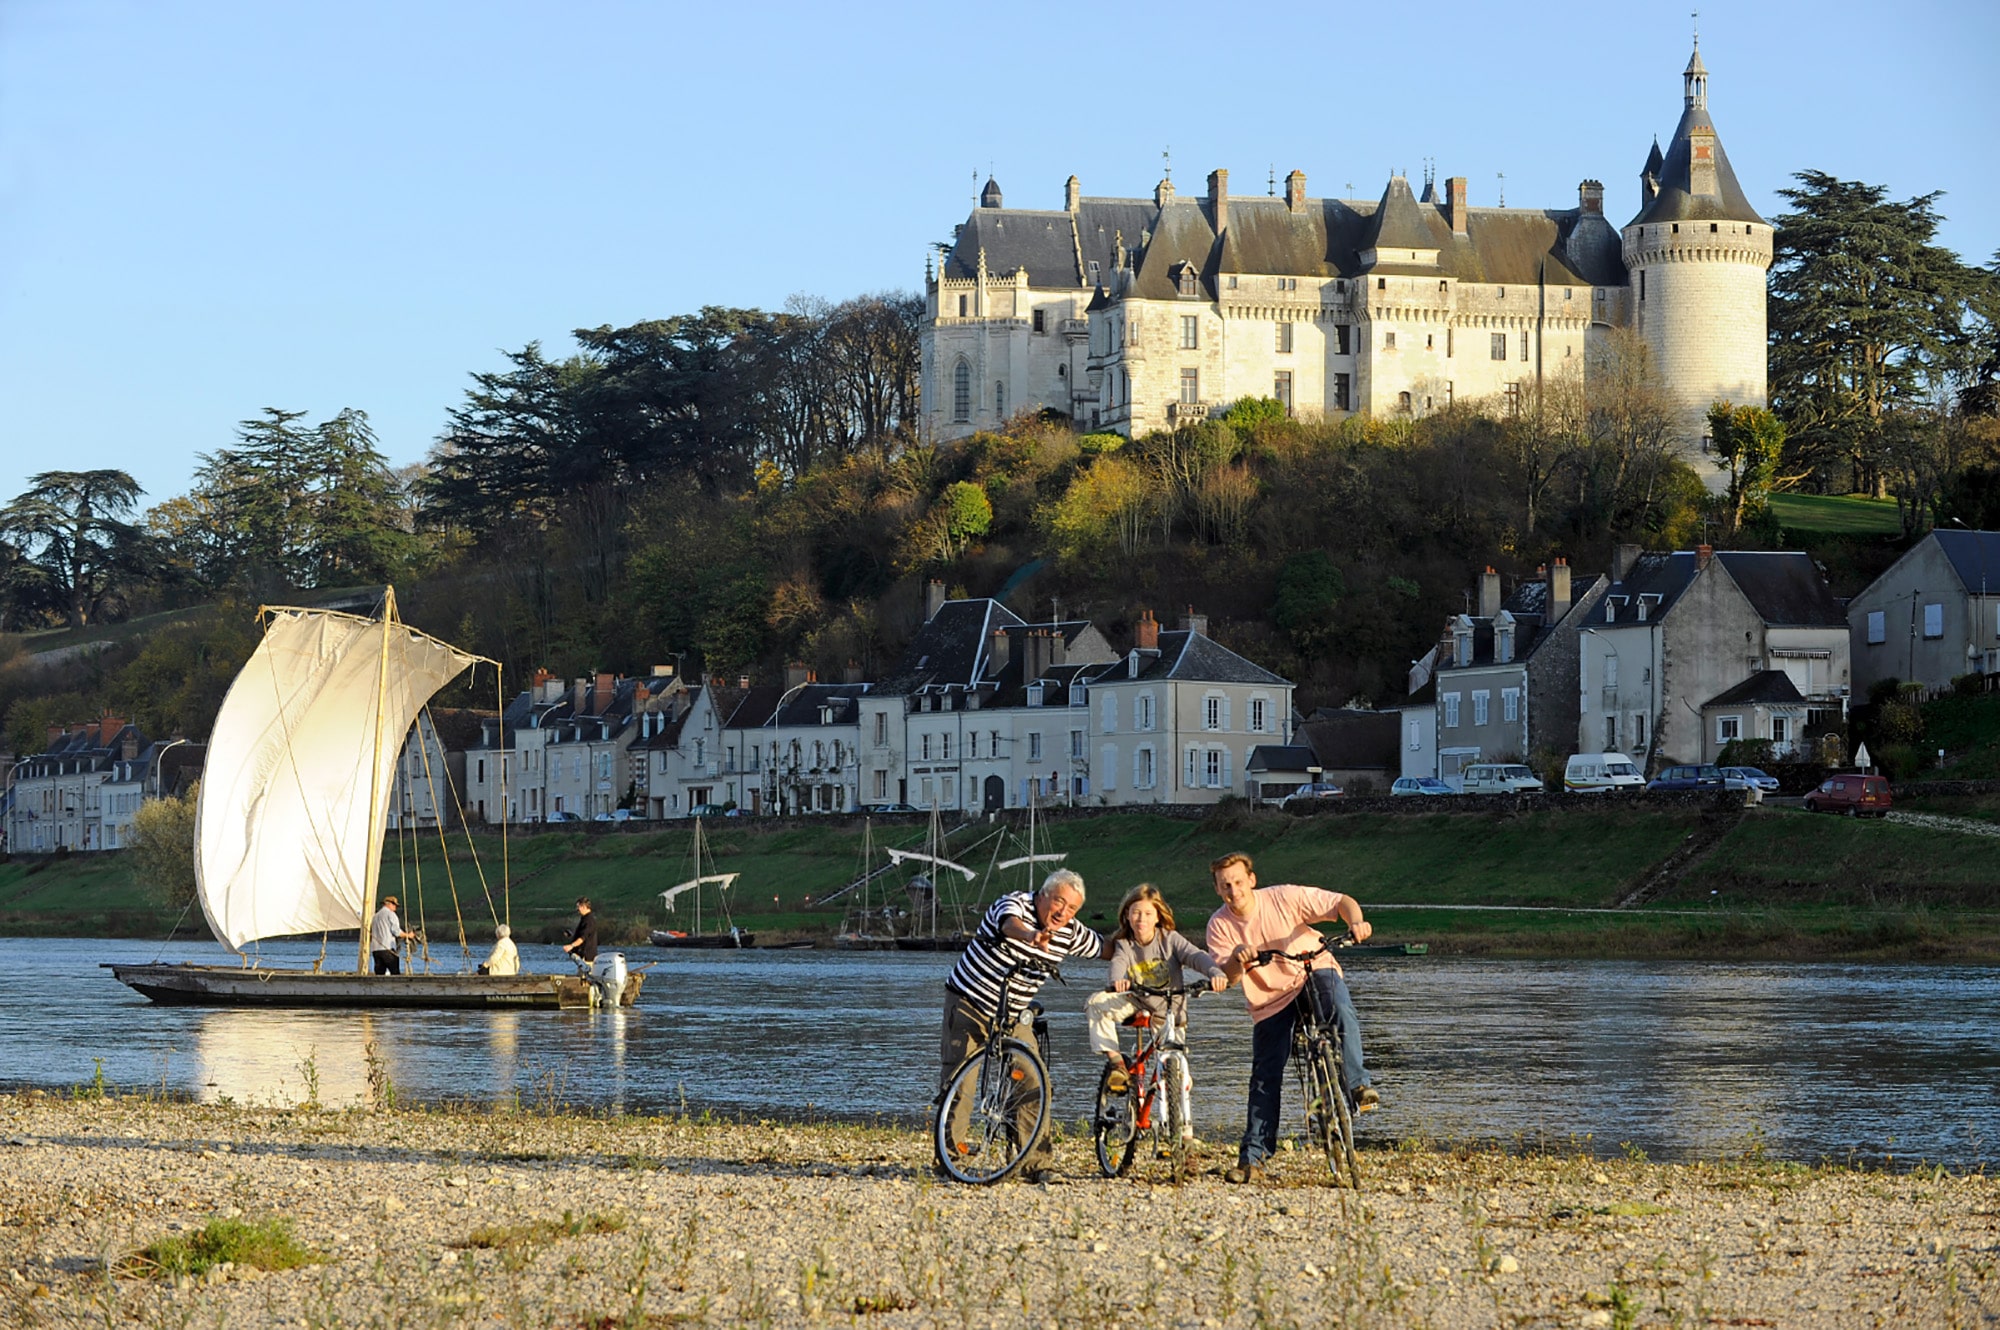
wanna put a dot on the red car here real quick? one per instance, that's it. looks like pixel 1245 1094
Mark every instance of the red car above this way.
pixel 1856 796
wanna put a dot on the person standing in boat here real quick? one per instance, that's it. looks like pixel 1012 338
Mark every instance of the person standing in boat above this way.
pixel 384 931
pixel 582 944
pixel 506 958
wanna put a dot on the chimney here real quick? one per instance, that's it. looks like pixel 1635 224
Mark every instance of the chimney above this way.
pixel 1454 190
pixel 607 688
pixel 1218 198
pixel 853 674
pixel 1163 193
pixel 1295 192
pixel 1146 633
pixel 796 674
pixel 933 598
pixel 128 747
pixel 56 733
pixel 1034 654
pixel 579 695
pixel 1072 196
pixel 999 651
pixel 1701 163
pixel 1702 554
pixel 663 671
pixel 1622 559
pixel 743 682
pixel 1489 593
pixel 1558 598
pixel 1194 623
pixel 1590 198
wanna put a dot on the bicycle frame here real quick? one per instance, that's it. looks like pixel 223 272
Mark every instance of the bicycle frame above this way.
pixel 1317 1058
pixel 995 1085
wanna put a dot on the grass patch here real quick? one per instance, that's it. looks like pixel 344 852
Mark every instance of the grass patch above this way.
pixel 266 1244
pixel 1968 729
pixel 1837 514
pixel 504 1237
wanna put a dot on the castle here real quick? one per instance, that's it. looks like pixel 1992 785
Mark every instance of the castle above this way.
pixel 1132 315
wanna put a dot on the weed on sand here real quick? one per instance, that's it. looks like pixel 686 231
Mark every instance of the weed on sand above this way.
pixel 266 1244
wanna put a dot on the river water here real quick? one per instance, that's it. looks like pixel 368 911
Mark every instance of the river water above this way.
pixel 1681 1060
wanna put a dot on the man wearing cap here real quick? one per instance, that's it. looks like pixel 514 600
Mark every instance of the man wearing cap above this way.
pixel 384 930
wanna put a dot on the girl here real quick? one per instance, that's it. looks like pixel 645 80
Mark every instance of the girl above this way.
pixel 1145 950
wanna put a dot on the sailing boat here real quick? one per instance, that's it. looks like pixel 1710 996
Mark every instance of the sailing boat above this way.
pixel 867 927
pixel 292 814
pixel 729 935
pixel 923 891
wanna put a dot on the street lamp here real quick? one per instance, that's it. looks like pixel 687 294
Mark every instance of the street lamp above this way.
pixel 171 743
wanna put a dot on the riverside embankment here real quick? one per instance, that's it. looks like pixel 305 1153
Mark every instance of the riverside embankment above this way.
pixel 524 1219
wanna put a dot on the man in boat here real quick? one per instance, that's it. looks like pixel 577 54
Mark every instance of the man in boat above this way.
pixel 1281 918
pixel 384 931
pixel 582 944
pixel 506 958
pixel 1038 927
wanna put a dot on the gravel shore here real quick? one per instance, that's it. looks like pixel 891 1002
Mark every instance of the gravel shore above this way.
pixel 451 1217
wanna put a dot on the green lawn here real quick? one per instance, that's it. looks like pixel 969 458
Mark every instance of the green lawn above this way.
pixel 1845 514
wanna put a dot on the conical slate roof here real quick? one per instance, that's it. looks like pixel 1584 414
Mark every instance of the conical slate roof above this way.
pixel 1676 201
pixel 1398 221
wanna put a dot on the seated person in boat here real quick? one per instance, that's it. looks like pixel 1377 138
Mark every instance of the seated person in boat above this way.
pixel 384 931
pixel 505 958
pixel 582 944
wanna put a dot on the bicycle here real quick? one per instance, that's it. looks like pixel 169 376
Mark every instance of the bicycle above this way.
pixel 1152 1102
pixel 994 1108
pixel 1316 1054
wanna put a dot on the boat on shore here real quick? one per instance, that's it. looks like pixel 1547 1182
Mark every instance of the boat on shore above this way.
pixel 292 813
pixel 727 934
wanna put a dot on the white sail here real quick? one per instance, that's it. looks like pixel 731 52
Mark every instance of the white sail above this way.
pixel 285 839
pixel 723 880
pixel 1017 861
pixel 911 856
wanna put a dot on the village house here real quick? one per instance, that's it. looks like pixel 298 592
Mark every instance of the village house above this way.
pixel 1934 615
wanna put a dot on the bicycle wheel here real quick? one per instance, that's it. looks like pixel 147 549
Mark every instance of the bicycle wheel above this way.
pixel 1116 1126
pixel 992 1113
pixel 1173 1120
pixel 1338 1125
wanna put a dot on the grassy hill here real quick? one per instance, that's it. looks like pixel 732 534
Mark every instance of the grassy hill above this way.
pixel 1837 514
pixel 1780 882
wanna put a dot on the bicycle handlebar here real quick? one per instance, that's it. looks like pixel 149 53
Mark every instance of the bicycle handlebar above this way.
pixel 1344 938
pixel 1168 991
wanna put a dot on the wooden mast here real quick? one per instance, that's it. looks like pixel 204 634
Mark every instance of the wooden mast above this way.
pixel 377 814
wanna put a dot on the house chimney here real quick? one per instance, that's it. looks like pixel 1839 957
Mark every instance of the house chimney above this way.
pixel 1702 554
pixel 579 695
pixel 663 671
pixel 128 747
pixel 1194 623
pixel 796 674
pixel 1072 196
pixel 1146 633
pixel 1295 192
pixel 1034 654
pixel 1701 163
pixel 1218 198
pixel 1454 190
pixel 743 682
pixel 1622 559
pixel 56 733
pixel 1489 593
pixel 1163 193
pixel 999 651
pixel 853 674
pixel 1590 198
pixel 1558 598
pixel 933 598
pixel 607 688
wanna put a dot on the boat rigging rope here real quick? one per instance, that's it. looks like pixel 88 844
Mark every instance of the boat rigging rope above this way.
pixel 168 939
pixel 444 846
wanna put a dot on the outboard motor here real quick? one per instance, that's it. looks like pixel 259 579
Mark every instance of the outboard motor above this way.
pixel 607 978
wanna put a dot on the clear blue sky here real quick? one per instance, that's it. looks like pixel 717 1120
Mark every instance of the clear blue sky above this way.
pixel 207 208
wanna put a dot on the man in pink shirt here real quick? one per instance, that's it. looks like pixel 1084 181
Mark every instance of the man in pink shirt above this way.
pixel 1281 919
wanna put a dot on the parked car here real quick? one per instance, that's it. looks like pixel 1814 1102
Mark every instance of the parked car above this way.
pixel 1703 777
pixel 560 816
pixel 615 815
pixel 890 808
pixel 713 810
pixel 1856 796
pixel 1421 785
pixel 1311 793
pixel 1601 773
pixel 1499 778
pixel 1749 778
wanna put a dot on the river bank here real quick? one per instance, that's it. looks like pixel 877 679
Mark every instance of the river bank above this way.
pixel 467 1217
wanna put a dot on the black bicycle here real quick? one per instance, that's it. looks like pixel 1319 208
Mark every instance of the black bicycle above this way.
pixel 1316 1056
pixel 994 1108
pixel 1153 1102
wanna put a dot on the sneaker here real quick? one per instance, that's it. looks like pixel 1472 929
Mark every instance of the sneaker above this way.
pixel 1117 1081
pixel 1038 1177
pixel 1366 1100
pixel 1245 1173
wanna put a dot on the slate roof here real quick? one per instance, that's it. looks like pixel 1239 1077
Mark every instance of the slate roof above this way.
pixel 1349 739
pixel 1975 557
pixel 1770 687
pixel 804 704
pixel 1397 224
pixel 950 648
pixel 1194 658
pixel 1785 587
pixel 747 708
pixel 1675 202
pixel 1281 757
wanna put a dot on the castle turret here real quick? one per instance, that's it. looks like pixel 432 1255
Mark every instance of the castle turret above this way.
pixel 1698 255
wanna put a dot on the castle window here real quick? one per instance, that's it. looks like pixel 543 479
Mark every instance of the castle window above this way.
pixel 1499 346
pixel 1038 322
pixel 1190 386
pixel 1340 343
pixel 1430 341
pixel 1093 272
pixel 1062 371
pixel 1341 392
pixel 1188 279
pixel 1642 283
pixel 1389 340
pixel 1677 228
pixel 1448 343
pixel 1713 228
pixel 1524 346
pixel 1232 281
pixel 1503 293
pixel 1190 332
pixel 1381 284
pixel 1403 403
pixel 961 391
pixel 1282 389
pixel 1000 400
pixel 961 307
pixel 1284 339
pixel 1568 294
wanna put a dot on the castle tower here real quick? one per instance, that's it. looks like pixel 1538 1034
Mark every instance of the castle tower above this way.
pixel 1698 255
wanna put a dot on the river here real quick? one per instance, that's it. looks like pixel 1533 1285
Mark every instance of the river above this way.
pixel 1681 1060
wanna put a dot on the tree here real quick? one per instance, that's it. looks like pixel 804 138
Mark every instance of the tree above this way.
pixel 1866 313
pixel 1750 441
pixel 963 515
pixel 162 847
pixel 1309 590
pixel 70 528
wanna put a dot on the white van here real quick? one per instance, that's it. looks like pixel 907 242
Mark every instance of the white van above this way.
pixel 1601 773
pixel 1499 778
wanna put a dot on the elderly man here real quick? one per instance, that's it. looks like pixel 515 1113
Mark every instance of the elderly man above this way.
pixel 1281 918
pixel 385 930
pixel 1039 927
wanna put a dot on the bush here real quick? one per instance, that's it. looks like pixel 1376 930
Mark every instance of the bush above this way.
pixel 1901 761
pixel 1899 723
pixel 1882 690
pixel 1965 685
pixel 1747 753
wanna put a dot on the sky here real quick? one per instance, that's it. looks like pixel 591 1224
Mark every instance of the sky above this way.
pixel 210 208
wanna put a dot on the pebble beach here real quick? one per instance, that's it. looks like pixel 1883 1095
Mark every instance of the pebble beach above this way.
pixel 448 1217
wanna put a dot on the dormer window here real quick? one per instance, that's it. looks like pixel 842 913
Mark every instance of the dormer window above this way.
pixel 1188 281
pixel 1034 694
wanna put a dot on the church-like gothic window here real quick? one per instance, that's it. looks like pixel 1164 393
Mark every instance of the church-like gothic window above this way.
pixel 961 392
pixel 961 307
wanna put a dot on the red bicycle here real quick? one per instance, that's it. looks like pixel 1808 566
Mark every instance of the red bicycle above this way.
pixel 1154 1102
